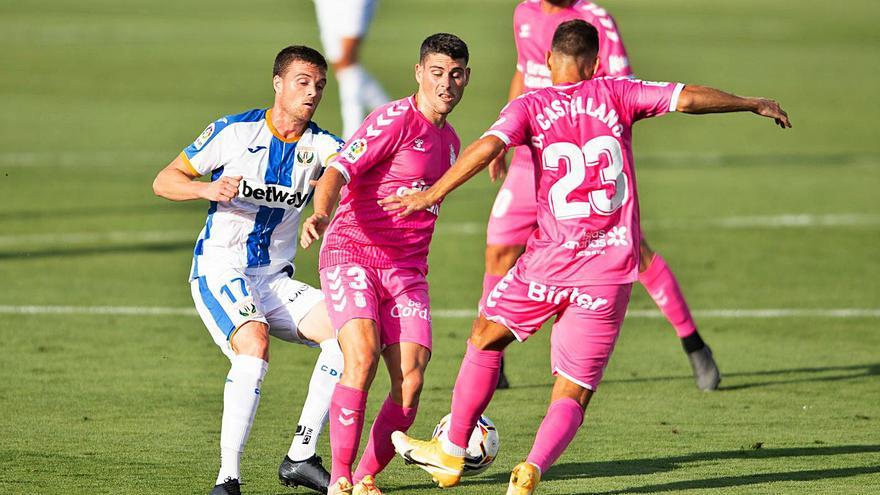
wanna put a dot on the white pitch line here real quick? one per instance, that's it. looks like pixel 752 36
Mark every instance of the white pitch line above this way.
pixel 457 313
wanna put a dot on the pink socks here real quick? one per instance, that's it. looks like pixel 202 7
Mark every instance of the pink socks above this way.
pixel 347 408
pixel 473 390
pixel 663 288
pixel 558 429
pixel 379 452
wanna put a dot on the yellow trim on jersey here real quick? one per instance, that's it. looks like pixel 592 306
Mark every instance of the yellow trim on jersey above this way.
pixel 275 131
pixel 189 164
pixel 330 158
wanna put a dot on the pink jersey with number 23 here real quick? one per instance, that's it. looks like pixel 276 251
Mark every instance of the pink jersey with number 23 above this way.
pixel 580 138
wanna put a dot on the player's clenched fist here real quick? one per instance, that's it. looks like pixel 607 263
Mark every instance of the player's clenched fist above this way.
pixel 313 228
pixel 222 190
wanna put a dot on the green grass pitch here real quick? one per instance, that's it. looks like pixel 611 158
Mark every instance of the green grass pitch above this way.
pixel 97 95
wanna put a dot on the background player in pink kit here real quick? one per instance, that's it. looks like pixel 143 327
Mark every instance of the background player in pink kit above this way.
pixel 373 264
pixel 514 213
pixel 580 136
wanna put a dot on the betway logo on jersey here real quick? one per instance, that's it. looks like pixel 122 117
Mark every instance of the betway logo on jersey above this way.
pixel 555 295
pixel 271 195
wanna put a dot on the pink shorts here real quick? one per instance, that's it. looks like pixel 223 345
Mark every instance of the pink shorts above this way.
pixel 515 213
pixel 588 321
pixel 395 298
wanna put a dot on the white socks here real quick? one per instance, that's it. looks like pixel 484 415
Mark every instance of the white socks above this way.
pixel 452 449
pixel 327 371
pixel 358 93
pixel 241 396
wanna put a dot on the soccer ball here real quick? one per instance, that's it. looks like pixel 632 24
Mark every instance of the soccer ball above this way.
pixel 482 446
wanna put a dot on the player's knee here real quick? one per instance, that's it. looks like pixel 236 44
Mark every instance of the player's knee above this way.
pixel 410 387
pixel 489 336
pixel 646 256
pixel 500 258
pixel 252 339
pixel 361 366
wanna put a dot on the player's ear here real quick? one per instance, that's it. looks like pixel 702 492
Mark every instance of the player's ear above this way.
pixel 596 64
pixel 548 57
pixel 277 83
pixel 418 72
pixel 467 75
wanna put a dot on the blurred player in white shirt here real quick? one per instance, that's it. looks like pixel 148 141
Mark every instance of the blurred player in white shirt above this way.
pixel 343 25
pixel 263 164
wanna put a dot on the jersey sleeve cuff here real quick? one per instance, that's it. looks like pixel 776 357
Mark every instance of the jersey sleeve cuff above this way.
pixel 500 135
pixel 342 170
pixel 330 158
pixel 673 102
pixel 189 164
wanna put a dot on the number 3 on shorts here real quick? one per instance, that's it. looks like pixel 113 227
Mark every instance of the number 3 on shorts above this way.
pixel 577 160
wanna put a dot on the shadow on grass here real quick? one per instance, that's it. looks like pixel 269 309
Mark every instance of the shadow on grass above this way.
pixel 161 247
pixel 647 466
pixel 850 372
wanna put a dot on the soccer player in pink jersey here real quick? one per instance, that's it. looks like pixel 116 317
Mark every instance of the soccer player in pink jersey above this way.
pixel 579 265
pixel 373 263
pixel 513 217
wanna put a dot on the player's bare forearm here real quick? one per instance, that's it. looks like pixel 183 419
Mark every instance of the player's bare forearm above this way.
pixel 177 183
pixel 326 197
pixel 327 191
pixel 473 159
pixel 702 99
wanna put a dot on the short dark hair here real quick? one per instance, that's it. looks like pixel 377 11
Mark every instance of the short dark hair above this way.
pixel 576 38
pixel 445 44
pixel 296 53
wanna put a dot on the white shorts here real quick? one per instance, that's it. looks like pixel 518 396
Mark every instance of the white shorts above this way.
pixel 338 19
pixel 227 299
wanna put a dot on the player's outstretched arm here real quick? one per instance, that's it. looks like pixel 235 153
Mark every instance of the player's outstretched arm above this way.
pixel 177 183
pixel 474 158
pixel 326 197
pixel 702 99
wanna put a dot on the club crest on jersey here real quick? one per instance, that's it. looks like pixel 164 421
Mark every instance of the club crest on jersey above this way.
pixel 204 136
pixel 305 157
pixel 355 150
pixel 247 308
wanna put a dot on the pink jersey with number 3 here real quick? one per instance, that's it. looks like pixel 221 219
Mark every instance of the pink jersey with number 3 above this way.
pixel 580 138
pixel 533 31
pixel 395 151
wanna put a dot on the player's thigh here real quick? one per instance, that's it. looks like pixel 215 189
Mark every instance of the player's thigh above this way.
pixel 225 301
pixel 584 336
pixel 515 212
pixel 513 305
pixel 299 315
pixel 405 309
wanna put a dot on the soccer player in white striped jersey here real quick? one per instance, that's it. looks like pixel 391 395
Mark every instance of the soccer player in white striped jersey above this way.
pixel 263 165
